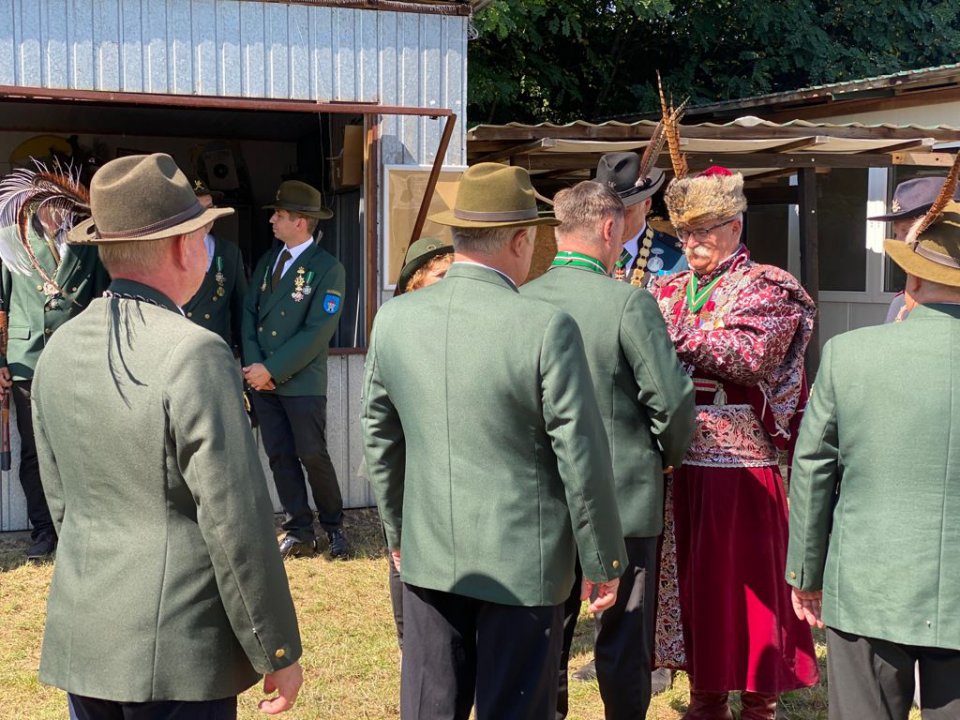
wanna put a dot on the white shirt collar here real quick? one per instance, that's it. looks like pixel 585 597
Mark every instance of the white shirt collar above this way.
pixel 211 249
pixel 632 245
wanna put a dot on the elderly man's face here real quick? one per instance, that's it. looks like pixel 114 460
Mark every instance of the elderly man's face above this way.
pixel 707 245
pixel 901 227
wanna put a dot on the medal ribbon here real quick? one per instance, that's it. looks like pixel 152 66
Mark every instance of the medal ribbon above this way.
pixel 566 258
pixel 697 297
pixel 219 262
pixel 623 259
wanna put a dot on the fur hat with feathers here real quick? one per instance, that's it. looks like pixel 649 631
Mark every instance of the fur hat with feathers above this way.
pixel 714 195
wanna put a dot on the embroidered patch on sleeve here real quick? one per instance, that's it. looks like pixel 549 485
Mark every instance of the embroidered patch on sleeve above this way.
pixel 331 302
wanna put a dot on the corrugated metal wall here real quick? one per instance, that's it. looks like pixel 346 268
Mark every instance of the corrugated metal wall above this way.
pixel 241 48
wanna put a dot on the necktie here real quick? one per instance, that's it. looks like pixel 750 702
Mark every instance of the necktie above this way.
pixel 278 273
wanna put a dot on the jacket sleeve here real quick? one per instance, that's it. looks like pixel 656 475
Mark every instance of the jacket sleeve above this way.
pixel 583 454
pixel 665 389
pixel 250 346
pixel 218 459
pixel 237 297
pixel 49 471
pixel 314 334
pixel 384 446
pixel 814 480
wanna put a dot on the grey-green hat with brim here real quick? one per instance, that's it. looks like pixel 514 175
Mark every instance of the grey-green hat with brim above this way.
pixel 299 197
pixel 493 195
pixel 419 254
pixel 141 197
pixel 935 254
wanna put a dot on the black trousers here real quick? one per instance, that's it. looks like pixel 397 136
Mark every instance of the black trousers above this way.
pixel 37 509
pixel 871 678
pixel 294 434
pixel 623 636
pixel 396 599
pixel 84 708
pixel 457 648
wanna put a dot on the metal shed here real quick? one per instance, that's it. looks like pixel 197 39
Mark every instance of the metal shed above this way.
pixel 281 81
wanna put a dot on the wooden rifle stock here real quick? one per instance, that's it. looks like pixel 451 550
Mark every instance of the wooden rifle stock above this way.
pixel 4 402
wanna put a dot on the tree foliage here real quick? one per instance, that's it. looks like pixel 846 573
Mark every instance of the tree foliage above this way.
pixel 558 60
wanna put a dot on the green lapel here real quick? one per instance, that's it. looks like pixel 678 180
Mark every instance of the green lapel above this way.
pixel 208 288
pixel 285 287
pixel 68 264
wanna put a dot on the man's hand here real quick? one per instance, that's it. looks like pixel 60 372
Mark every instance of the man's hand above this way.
pixel 395 559
pixel 286 682
pixel 5 382
pixel 807 606
pixel 258 377
pixel 606 594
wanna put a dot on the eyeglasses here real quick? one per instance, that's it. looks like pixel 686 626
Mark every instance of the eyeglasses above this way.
pixel 700 234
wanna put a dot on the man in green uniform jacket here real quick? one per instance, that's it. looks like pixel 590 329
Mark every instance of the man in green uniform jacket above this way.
pixel 218 304
pixel 487 456
pixel 646 402
pixel 168 597
pixel 290 314
pixel 36 309
pixel 875 496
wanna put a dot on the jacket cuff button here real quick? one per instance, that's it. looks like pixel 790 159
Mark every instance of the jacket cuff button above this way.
pixel 280 653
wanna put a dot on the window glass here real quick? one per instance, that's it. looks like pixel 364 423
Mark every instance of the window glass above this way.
pixel 842 229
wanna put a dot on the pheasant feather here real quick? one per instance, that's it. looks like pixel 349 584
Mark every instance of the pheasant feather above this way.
pixel 936 210
pixel 670 117
pixel 651 153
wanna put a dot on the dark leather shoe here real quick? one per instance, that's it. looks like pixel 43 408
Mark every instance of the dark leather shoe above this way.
pixel 291 547
pixel 42 548
pixel 758 706
pixel 339 549
pixel 586 673
pixel 707 706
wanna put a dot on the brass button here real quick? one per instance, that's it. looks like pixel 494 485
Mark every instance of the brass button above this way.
pixel 39 287
pixel 273 332
pixel 189 314
pixel 280 652
pixel 214 298
pixel 48 331
pixel 260 329
pixel 616 564
pixel 283 313
pixel 793 575
pixel 73 289
pixel 206 316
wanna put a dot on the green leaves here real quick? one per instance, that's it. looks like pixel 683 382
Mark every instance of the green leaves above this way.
pixel 559 60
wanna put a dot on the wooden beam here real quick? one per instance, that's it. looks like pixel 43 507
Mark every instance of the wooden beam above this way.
pixel 810 259
pixel 700 161
pixel 371 166
pixel 926 143
pixel 932 159
pixel 509 152
pixel 432 179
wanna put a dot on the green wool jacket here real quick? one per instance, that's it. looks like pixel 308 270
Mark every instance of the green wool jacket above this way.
pixel 218 304
pixel 168 584
pixel 875 488
pixel 289 336
pixel 646 399
pixel 32 316
pixel 484 445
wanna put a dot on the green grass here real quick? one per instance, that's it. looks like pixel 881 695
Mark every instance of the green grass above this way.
pixel 351 661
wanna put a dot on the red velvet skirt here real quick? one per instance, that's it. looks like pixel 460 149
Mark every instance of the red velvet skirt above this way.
pixel 739 628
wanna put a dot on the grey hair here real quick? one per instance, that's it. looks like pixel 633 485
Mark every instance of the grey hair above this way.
pixel 585 206
pixel 138 256
pixel 486 241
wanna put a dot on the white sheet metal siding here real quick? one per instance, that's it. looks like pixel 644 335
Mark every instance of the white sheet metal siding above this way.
pixel 239 48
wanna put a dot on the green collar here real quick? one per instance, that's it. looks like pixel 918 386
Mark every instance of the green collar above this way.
pixel 566 258
pixel 698 297
pixel 132 289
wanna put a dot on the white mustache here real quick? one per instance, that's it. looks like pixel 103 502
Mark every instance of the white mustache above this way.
pixel 697 251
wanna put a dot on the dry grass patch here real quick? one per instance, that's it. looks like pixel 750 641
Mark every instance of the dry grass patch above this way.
pixel 351 661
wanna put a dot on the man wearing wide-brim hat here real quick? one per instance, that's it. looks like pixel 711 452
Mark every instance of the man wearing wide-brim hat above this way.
pixel 875 495
pixel 647 253
pixel 487 456
pixel 911 200
pixel 291 312
pixel 218 304
pixel 168 595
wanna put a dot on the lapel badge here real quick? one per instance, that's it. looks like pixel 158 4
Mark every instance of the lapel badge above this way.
pixel 220 278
